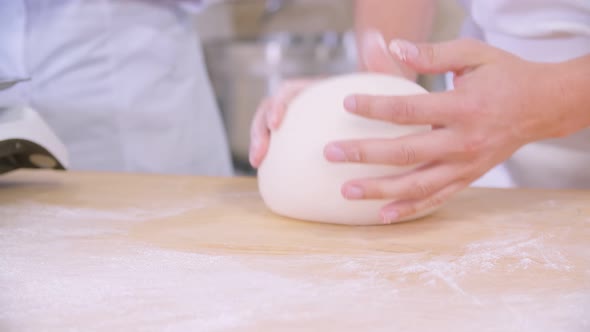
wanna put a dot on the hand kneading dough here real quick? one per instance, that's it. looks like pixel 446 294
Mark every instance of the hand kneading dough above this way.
pixel 295 179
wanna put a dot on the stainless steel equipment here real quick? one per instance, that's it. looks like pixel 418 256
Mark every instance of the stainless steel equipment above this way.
pixel 244 71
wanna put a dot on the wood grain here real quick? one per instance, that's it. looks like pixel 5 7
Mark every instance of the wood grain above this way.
pixel 119 251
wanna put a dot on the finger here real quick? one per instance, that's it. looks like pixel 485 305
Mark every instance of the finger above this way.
pixel 259 134
pixel 456 55
pixel 417 184
pixel 375 56
pixel 272 114
pixel 286 93
pixel 439 108
pixel 401 210
pixel 269 115
pixel 406 150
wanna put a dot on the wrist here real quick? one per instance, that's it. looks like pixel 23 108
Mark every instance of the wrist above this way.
pixel 569 95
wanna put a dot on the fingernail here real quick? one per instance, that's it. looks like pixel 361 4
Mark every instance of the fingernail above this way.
pixel 374 36
pixel 335 153
pixel 389 217
pixel 353 192
pixel 403 49
pixel 350 103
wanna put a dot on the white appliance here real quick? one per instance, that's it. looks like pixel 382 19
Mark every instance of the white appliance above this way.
pixel 26 141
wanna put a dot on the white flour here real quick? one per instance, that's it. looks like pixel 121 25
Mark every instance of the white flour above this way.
pixel 30 211
pixel 45 285
pixel 46 220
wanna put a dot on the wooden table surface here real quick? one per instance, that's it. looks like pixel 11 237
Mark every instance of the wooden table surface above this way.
pixel 110 252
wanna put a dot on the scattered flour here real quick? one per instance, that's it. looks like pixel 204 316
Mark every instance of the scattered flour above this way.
pixel 31 211
pixel 47 220
pixel 512 255
pixel 117 285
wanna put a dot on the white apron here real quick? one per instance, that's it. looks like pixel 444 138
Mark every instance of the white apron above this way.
pixel 544 31
pixel 122 83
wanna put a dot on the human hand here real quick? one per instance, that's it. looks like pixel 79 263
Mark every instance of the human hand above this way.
pixel 500 103
pixel 269 115
pixel 271 111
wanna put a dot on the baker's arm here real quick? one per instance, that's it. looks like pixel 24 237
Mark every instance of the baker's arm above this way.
pixel 572 88
pixel 394 19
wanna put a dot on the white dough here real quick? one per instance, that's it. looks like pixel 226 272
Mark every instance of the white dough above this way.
pixel 295 179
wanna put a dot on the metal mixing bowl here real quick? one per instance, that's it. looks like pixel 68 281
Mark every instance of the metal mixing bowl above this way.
pixel 244 71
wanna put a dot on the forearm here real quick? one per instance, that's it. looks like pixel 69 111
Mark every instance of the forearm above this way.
pixel 572 88
pixel 395 19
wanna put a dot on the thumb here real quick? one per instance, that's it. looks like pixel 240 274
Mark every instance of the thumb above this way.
pixel 374 55
pixel 456 56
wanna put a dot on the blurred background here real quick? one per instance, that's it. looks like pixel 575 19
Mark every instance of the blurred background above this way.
pixel 252 46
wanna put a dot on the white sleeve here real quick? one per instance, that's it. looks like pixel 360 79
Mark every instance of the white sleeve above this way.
pixel 12 38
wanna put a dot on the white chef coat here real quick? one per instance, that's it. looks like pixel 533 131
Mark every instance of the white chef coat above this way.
pixel 544 31
pixel 121 82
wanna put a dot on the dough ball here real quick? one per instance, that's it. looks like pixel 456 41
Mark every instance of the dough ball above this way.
pixel 296 181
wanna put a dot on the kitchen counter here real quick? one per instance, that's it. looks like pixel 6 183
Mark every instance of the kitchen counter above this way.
pixel 96 252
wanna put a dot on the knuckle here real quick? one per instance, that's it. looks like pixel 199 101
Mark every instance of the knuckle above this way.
pixel 434 201
pixel 421 189
pixel 401 111
pixel 405 156
pixel 355 154
pixel 408 111
pixel 474 145
pixel 429 54
pixel 359 155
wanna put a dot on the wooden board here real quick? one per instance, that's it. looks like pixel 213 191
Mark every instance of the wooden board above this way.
pixel 89 251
